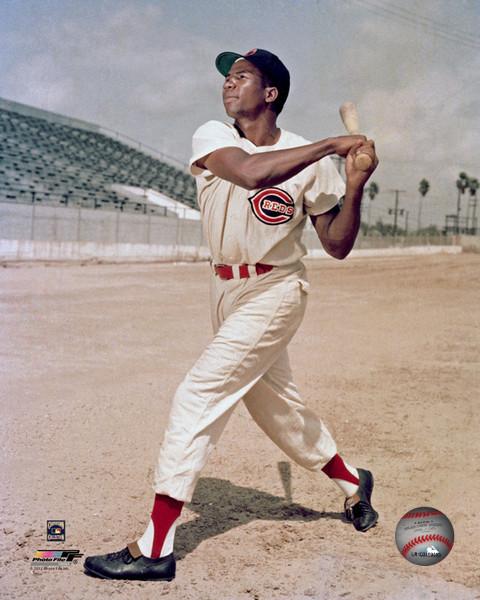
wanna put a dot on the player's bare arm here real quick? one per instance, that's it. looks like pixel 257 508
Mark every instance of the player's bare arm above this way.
pixel 338 229
pixel 254 171
pixel 265 270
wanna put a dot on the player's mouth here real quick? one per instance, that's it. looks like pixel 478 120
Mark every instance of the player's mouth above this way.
pixel 225 98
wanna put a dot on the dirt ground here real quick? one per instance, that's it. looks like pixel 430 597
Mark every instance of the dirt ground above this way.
pixel 388 355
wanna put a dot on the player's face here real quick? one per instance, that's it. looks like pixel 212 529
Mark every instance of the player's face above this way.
pixel 243 91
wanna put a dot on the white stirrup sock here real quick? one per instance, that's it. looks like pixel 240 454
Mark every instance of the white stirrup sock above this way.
pixel 157 541
pixel 145 543
pixel 343 474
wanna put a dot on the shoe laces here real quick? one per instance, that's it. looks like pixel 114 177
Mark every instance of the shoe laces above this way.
pixel 360 508
pixel 123 554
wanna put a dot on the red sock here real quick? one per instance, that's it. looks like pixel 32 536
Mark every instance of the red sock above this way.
pixel 336 469
pixel 165 512
pixel 343 474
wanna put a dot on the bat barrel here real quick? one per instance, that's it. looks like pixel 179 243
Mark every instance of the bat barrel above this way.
pixel 349 115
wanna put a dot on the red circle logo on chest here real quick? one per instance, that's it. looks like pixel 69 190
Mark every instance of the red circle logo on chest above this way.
pixel 272 206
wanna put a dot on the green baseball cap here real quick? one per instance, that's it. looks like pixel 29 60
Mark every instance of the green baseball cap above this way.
pixel 266 62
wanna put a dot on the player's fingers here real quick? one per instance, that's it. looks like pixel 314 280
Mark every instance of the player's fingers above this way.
pixel 360 150
pixel 366 149
pixel 355 147
pixel 369 144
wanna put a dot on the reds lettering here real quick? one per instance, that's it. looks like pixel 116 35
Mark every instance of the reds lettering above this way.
pixel 272 206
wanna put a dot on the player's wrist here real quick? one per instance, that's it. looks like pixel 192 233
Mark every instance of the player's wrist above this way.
pixel 325 147
pixel 354 186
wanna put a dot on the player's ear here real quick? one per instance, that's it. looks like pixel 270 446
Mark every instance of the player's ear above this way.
pixel 271 94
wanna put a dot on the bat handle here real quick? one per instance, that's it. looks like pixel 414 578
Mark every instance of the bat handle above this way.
pixel 363 161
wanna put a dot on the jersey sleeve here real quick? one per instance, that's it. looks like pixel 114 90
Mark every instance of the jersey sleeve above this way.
pixel 211 136
pixel 326 189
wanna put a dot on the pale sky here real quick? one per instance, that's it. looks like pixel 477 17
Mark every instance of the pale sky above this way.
pixel 146 68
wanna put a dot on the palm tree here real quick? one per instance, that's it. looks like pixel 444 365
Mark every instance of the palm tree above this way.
pixel 473 185
pixel 462 185
pixel 423 188
pixel 372 191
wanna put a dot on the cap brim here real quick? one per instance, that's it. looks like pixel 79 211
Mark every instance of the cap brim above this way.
pixel 225 60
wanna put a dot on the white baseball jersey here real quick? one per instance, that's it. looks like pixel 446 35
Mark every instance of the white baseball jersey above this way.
pixel 263 225
pixel 253 318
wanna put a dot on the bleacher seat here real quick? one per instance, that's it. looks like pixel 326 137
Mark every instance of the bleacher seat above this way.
pixel 79 165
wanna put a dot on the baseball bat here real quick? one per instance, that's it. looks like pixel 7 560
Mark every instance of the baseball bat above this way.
pixel 349 114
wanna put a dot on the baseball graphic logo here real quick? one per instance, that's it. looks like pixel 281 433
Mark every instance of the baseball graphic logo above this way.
pixel 424 536
pixel 272 206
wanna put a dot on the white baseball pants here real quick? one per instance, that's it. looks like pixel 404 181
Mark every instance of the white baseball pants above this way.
pixel 253 320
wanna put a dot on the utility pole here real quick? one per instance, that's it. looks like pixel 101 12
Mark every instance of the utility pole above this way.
pixel 458 211
pixel 396 211
pixel 474 215
pixel 471 219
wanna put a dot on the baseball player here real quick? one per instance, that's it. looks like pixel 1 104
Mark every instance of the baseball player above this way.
pixel 257 183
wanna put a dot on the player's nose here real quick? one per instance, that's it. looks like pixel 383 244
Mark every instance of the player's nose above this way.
pixel 228 84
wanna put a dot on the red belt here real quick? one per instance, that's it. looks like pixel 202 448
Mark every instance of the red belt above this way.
pixel 240 271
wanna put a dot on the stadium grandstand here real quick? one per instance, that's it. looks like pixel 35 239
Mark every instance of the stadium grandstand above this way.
pixel 131 202
pixel 51 159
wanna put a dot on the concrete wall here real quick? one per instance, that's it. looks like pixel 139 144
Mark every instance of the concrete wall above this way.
pixel 310 239
pixel 392 251
pixel 33 232
pixel 27 250
pixel 20 250
pixel 62 224
pixel 469 243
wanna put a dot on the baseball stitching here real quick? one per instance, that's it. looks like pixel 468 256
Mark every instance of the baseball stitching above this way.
pixel 421 515
pixel 426 538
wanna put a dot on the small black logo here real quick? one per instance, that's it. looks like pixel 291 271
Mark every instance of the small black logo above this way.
pixel 56 531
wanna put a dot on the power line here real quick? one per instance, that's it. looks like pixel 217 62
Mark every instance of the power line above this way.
pixel 413 17
pixel 429 25
pixel 445 32
pixel 434 22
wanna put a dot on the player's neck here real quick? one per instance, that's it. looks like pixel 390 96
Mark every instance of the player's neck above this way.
pixel 262 131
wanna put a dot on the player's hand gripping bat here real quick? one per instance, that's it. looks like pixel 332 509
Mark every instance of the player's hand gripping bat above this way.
pixel 348 112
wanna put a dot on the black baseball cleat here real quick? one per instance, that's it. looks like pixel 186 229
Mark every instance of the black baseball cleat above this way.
pixel 130 563
pixel 358 508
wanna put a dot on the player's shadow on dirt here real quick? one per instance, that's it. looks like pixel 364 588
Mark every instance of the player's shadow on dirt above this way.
pixel 221 506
